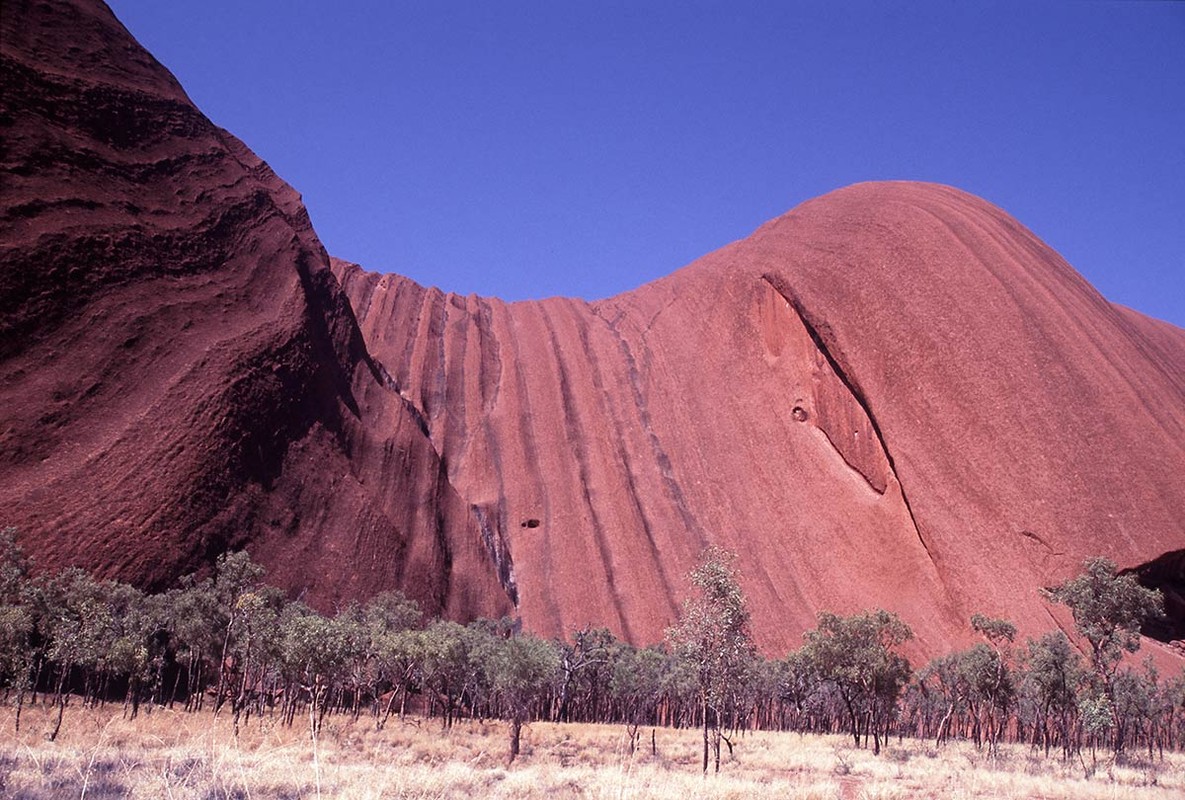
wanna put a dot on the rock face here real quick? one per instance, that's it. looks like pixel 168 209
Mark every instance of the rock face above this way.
pixel 894 395
pixel 179 372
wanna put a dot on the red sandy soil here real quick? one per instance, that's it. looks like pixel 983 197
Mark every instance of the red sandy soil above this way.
pixel 894 395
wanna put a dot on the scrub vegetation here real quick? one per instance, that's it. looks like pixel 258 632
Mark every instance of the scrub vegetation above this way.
pixel 219 683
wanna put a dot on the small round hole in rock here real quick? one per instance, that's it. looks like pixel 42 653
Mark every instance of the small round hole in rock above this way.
pixel 799 413
pixel 531 523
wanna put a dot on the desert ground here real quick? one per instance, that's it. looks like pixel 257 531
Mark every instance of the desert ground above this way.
pixel 100 754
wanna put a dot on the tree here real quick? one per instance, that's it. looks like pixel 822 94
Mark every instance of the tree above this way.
pixel 797 681
pixel 584 664
pixel 713 636
pixel 636 685
pixel 520 670
pixel 135 640
pixel 398 658
pixel 975 683
pixel 1109 610
pixel 1049 680
pixel 992 676
pixel 391 611
pixel 855 654
pixel 236 578
pixel 18 621
pixel 450 663
pixel 77 620
pixel 254 646
pixel 390 623
pixel 196 632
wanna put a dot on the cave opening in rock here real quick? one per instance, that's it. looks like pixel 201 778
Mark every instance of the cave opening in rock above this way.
pixel 1166 573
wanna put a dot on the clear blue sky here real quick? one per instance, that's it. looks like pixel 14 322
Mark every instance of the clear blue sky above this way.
pixel 525 149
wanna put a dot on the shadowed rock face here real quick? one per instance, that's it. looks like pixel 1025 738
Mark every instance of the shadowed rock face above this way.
pixel 894 395
pixel 179 372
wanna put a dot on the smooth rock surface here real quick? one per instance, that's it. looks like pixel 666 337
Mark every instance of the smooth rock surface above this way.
pixel 894 395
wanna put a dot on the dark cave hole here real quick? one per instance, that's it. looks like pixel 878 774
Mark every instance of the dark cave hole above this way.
pixel 531 523
pixel 1166 573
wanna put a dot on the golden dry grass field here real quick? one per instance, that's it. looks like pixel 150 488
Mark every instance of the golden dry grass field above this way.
pixel 171 754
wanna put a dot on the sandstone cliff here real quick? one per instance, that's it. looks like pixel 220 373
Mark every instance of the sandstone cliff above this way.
pixel 893 395
pixel 179 372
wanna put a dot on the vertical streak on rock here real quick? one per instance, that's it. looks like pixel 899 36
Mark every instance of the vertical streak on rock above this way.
pixel 623 458
pixel 444 551
pixel 499 548
pixel 489 362
pixel 495 521
pixel 408 305
pixel 433 387
pixel 454 437
pixel 491 356
pixel 673 490
pixel 530 455
pixel 577 440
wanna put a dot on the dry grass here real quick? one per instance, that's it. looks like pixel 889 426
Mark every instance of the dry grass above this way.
pixel 166 754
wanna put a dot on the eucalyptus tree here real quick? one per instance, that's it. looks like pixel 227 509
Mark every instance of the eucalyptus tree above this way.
pixel 585 667
pixel 636 686
pixel 1049 678
pixel 714 638
pixel 136 642
pixel 942 685
pixel 1136 702
pixel 19 650
pixel 314 652
pixel 991 676
pixel 797 682
pixel 521 671
pixel 856 655
pixel 255 648
pixel 75 621
pixel 196 626
pixel 236 579
pixel 1109 609
pixel 399 658
pixel 390 641
pixel 392 611
pixel 450 660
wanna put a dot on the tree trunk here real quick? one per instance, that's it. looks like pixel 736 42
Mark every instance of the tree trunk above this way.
pixel 218 700
pixel 20 702
pixel 61 705
pixel 942 726
pixel 854 721
pixel 516 729
pixel 705 709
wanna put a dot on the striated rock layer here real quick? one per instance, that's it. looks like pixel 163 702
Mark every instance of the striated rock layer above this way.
pixel 179 372
pixel 894 395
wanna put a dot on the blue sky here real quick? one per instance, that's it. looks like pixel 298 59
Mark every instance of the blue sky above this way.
pixel 526 149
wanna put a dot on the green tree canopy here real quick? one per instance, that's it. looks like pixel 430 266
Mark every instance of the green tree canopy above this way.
pixel 713 636
pixel 1108 610
pixel 856 655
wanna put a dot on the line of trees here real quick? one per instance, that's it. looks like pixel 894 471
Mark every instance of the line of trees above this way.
pixel 231 642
